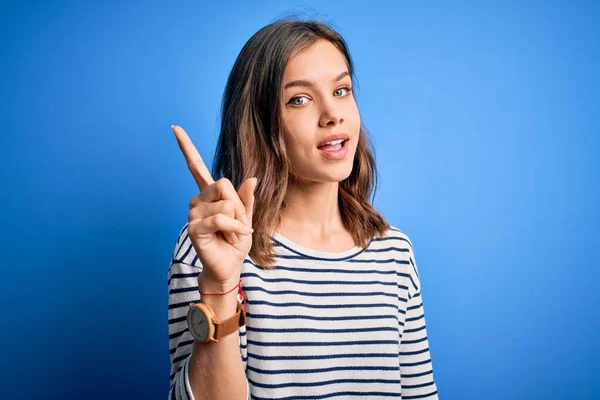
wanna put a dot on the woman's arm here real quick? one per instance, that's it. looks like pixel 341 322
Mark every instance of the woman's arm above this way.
pixel 200 371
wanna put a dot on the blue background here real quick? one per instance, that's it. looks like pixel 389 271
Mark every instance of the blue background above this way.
pixel 485 120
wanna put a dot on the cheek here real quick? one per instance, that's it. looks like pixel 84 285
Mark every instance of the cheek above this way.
pixel 302 120
pixel 352 113
pixel 296 141
pixel 300 129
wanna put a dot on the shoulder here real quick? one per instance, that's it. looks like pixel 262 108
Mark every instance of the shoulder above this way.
pixel 396 234
pixel 401 242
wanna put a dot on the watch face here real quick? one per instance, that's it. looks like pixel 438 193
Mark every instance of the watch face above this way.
pixel 197 324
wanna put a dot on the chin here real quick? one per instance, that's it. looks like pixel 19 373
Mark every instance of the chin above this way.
pixel 338 174
pixel 325 177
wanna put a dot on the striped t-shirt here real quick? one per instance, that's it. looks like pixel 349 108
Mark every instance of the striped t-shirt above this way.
pixel 320 325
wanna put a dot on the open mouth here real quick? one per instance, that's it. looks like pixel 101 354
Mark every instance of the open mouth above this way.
pixel 334 145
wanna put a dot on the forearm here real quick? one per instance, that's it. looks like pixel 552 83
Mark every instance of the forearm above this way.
pixel 216 369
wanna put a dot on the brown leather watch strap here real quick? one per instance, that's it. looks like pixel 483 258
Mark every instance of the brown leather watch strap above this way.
pixel 232 324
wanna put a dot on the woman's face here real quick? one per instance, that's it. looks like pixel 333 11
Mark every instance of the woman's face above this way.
pixel 318 102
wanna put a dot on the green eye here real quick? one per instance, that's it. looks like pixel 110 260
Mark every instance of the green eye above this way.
pixel 341 92
pixel 297 101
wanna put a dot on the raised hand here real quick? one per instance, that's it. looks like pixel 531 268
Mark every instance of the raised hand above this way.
pixel 220 220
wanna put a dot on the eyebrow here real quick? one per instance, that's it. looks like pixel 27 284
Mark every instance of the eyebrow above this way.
pixel 304 82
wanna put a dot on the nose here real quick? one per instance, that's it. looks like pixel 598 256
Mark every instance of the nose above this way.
pixel 331 114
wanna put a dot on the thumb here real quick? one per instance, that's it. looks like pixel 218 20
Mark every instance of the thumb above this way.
pixel 246 194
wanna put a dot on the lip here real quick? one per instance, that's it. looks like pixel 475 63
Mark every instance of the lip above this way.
pixel 337 154
pixel 334 137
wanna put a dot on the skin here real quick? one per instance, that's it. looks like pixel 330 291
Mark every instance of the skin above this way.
pixel 312 217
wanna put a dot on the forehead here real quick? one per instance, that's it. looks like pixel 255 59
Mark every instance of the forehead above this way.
pixel 320 61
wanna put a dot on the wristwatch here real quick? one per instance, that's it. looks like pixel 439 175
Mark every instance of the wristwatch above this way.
pixel 204 325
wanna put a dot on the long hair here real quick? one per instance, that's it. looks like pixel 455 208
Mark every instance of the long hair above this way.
pixel 251 141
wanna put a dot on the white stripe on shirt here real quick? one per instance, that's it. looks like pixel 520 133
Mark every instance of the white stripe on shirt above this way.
pixel 321 325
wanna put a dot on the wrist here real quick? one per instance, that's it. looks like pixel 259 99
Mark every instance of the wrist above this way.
pixel 222 298
pixel 211 286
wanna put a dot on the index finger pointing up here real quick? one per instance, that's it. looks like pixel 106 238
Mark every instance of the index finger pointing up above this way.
pixel 192 157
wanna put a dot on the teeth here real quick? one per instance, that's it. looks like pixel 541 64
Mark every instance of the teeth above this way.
pixel 334 142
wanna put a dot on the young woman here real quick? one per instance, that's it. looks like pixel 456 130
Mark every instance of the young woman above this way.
pixel 293 286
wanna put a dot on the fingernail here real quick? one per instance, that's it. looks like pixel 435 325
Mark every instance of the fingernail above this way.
pixel 248 229
pixel 245 220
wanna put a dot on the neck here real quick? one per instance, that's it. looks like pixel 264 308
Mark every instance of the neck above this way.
pixel 312 208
